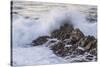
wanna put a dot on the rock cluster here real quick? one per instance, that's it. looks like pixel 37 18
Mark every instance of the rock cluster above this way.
pixel 63 33
pixel 39 41
pixel 70 42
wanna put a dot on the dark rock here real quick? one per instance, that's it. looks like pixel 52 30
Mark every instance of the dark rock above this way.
pixel 58 49
pixel 88 43
pixel 67 41
pixel 69 50
pixel 93 44
pixel 83 60
pixel 53 41
pixel 81 42
pixel 63 32
pixel 61 50
pixel 93 51
pixel 75 36
pixel 40 40
pixel 88 39
pixel 89 57
pixel 78 52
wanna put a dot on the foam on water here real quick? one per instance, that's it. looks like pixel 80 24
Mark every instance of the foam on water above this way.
pixel 26 30
pixel 35 55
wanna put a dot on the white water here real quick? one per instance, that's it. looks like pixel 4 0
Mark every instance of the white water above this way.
pixel 26 30
pixel 35 55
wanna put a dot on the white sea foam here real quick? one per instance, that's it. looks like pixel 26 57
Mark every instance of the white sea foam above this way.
pixel 35 55
pixel 26 30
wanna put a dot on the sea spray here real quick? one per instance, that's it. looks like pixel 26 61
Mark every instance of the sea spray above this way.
pixel 26 30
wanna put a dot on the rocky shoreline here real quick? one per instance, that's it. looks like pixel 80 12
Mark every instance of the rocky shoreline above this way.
pixel 68 41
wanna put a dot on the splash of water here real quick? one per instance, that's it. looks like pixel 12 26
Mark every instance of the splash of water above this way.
pixel 26 30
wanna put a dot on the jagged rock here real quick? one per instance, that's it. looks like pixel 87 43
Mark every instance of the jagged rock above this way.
pixel 89 42
pixel 69 50
pixel 82 60
pixel 81 42
pixel 52 42
pixel 40 40
pixel 90 45
pixel 62 50
pixel 93 51
pixel 59 49
pixel 78 52
pixel 89 57
pixel 63 32
pixel 68 41
pixel 75 36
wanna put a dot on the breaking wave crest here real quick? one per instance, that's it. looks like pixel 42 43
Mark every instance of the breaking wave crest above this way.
pixel 26 30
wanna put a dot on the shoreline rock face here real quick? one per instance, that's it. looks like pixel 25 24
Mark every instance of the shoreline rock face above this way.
pixel 63 33
pixel 70 42
pixel 39 41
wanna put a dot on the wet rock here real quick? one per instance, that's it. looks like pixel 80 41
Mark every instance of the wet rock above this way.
pixel 89 57
pixel 63 32
pixel 75 36
pixel 89 42
pixel 94 44
pixel 89 39
pixel 82 60
pixel 78 52
pixel 40 40
pixel 68 41
pixel 76 39
pixel 77 32
pixel 52 42
pixel 57 46
pixel 81 42
pixel 91 45
pixel 69 50
pixel 93 51
pixel 58 49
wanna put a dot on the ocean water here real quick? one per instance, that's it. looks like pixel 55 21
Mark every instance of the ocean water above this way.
pixel 33 19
